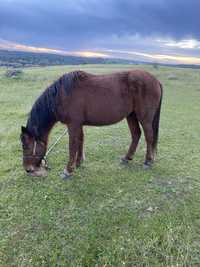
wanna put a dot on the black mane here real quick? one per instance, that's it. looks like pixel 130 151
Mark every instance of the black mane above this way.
pixel 44 111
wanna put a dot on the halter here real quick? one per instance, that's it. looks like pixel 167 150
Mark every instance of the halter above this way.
pixel 33 155
pixel 34 148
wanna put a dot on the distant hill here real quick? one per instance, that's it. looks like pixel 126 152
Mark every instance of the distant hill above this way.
pixel 20 59
pixel 28 59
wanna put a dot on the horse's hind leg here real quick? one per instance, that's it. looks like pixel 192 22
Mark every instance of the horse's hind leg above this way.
pixel 81 154
pixel 148 132
pixel 135 134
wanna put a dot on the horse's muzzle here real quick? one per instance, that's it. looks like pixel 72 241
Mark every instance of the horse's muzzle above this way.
pixel 38 172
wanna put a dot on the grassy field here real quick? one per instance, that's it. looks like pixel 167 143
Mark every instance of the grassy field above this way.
pixel 108 214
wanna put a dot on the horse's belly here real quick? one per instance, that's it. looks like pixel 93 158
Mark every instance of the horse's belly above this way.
pixel 102 121
pixel 106 114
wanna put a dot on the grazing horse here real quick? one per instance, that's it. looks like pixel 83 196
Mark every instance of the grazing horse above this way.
pixel 79 98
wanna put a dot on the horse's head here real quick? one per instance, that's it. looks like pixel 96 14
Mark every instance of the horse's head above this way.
pixel 33 154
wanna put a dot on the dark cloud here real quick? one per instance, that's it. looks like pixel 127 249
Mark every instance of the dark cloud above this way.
pixel 83 24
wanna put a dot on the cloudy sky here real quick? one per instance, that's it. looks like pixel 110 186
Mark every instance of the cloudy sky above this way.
pixel 150 30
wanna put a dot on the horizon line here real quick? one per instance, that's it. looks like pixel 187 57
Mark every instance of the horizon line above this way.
pixel 106 53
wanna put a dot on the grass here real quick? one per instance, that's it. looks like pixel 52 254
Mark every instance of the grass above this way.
pixel 108 214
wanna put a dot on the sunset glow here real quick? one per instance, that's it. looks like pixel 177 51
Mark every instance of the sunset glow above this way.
pixel 90 54
pixel 14 46
pixel 160 57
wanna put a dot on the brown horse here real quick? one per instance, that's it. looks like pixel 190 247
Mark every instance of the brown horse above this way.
pixel 79 98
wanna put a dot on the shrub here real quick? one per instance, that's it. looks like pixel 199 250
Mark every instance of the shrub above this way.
pixel 13 73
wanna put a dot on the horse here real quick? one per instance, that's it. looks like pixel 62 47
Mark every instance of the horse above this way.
pixel 79 98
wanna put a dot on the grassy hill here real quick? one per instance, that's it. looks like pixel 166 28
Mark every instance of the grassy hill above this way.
pixel 107 214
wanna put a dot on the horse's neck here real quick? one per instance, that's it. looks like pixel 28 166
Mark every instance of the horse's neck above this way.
pixel 46 133
pixel 43 115
pixel 38 130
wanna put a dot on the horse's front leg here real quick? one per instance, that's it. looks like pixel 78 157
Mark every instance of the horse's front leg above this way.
pixel 81 154
pixel 74 144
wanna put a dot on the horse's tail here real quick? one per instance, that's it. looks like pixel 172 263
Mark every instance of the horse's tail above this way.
pixel 156 121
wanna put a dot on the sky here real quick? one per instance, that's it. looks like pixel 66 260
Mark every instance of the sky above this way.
pixel 166 31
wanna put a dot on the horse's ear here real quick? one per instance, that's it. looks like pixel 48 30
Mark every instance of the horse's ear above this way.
pixel 24 136
pixel 23 129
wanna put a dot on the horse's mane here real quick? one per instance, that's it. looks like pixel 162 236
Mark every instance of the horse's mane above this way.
pixel 44 111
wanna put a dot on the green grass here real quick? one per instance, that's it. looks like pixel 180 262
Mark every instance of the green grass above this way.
pixel 108 214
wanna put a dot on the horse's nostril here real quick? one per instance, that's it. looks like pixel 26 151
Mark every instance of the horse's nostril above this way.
pixel 29 171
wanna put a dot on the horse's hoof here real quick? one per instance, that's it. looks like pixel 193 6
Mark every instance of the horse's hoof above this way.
pixel 124 161
pixel 65 175
pixel 147 166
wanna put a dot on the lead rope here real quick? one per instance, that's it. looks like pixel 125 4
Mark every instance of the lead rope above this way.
pixel 54 144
